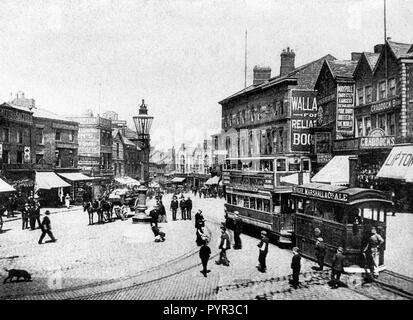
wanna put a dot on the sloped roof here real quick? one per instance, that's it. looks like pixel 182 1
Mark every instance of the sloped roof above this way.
pixel 342 68
pixel 16 107
pixel 400 50
pixel 130 134
pixel 304 80
pixel 372 58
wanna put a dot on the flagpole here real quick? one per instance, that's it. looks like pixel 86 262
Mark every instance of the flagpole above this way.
pixel 245 70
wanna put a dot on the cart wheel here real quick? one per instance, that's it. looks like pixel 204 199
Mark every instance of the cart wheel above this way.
pixel 1 223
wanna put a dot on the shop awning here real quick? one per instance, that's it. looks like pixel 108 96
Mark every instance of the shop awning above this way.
pixel 49 180
pixel 177 180
pixel 399 164
pixel 212 181
pixel 127 181
pixel 74 176
pixel 335 172
pixel 5 187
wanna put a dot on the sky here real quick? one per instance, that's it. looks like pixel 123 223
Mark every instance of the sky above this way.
pixel 182 56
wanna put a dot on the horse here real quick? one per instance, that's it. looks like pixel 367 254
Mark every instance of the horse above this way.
pixel 87 206
pixel 106 208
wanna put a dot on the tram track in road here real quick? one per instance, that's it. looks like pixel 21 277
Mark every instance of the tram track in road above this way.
pixel 396 283
pixel 169 269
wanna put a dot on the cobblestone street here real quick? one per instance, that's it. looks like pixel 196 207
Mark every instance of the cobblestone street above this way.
pixel 120 260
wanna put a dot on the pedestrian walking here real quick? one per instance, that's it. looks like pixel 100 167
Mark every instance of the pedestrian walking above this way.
pixel 372 252
pixel 198 218
pixel 296 267
pixel 37 212
pixel 320 252
pixel 47 228
pixel 200 233
pixel 32 213
pixel 162 212
pixel 67 201
pixel 263 251
pixel 25 216
pixel 237 231
pixel 182 205
pixel 224 245
pixel 174 207
pixel 337 268
pixel 188 207
pixel 204 254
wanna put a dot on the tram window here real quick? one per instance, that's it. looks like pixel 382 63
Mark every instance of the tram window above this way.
pixel 306 164
pixel 246 202
pixel 266 205
pixel 229 198
pixel 294 167
pixel 234 199
pixel 281 165
pixel 252 203
pixel 259 204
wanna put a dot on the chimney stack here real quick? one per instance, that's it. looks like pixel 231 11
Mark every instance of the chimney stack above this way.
pixel 261 74
pixel 355 56
pixel 287 61
pixel 378 48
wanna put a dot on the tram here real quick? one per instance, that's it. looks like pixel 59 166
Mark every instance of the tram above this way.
pixel 260 190
pixel 342 216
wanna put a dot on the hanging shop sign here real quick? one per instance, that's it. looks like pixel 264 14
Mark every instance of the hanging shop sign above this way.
pixel 303 118
pixel 324 157
pixel 384 106
pixel 345 111
pixel 377 139
pixel 322 141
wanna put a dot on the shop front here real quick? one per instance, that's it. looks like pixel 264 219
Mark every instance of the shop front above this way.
pixel 80 185
pixel 51 189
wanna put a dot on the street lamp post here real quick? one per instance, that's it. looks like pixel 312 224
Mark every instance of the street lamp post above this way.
pixel 143 124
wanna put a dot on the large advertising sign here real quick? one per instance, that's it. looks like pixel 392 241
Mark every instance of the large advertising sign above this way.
pixel 345 111
pixel 89 142
pixel 303 118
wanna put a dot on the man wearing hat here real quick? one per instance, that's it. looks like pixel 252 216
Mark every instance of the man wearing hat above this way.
pixel 224 246
pixel 337 267
pixel 46 228
pixel 174 207
pixel 372 251
pixel 237 230
pixel 296 266
pixel 320 252
pixel 198 218
pixel 25 216
pixel 263 250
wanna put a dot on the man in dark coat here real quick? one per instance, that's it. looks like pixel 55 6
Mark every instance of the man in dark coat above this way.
pixel 46 228
pixel 182 205
pixel 154 214
pixel 174 207
pixel 204 254
pixel 198 218
pixel 296 266
pixel 337 267
pixel 188 207
pixel 263 250
pixel 320 252
pixel 237 230
pixel 25 216
pixel 224 246
pixel 159 235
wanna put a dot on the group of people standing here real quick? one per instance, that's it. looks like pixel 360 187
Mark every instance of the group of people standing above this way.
pixel 184 204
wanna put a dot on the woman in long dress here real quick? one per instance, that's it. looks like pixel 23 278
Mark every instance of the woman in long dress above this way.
pixel 67 201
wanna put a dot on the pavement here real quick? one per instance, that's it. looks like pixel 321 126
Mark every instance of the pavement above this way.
pixel 120 260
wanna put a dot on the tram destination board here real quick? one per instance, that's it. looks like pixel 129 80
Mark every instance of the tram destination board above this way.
pixel 321 194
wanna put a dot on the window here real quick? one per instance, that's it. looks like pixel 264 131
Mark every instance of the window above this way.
pixel 280 140
pixel 391 124
pixel 259 204
pixel 19 157
pixel 5 156
pixel 266 205
pixel 306 164
pixel 19 137
pixel 71 136
pixel 281 108
pixel 252 203
pixel 71 159
pixel 5 135
pixel 117 149
pixel 229 198
pixel 294 164
pixel 39 136
pixel 382 121
pixel 360 96
pixel 58 135
pixel 392 87
pixel 367 125
pixel 246 202
pixel 57 158
pixel 368 91
pixel 281 165
pixel 359 127
pixel 382 90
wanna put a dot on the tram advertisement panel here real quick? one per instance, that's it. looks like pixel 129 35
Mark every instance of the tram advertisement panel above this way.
pixel 303 118
pixel 345 111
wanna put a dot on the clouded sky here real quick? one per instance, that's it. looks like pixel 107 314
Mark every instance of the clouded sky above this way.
pixel 181 56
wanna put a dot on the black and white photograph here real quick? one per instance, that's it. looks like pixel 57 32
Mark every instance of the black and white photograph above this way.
pixel 206 151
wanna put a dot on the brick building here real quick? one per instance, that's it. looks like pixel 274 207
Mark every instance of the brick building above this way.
pixel 272 116
pixel 17 147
